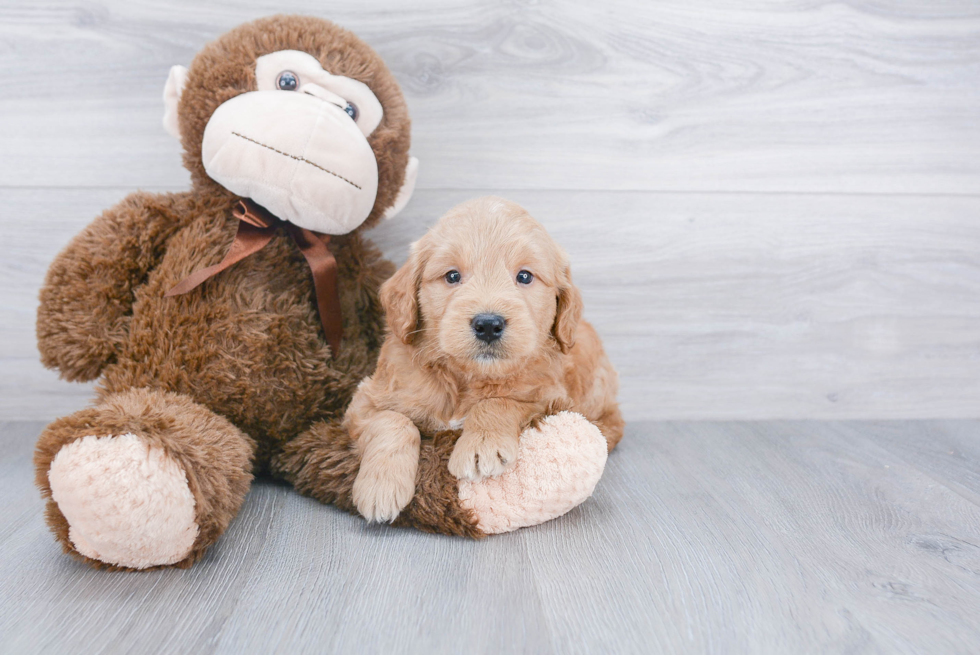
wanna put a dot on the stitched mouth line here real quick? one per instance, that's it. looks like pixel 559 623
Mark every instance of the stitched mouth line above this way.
pixel 307 161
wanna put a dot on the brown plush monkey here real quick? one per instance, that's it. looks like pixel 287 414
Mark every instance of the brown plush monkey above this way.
pixel 209 323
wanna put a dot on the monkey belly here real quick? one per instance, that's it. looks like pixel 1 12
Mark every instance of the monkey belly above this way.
pixel 247 344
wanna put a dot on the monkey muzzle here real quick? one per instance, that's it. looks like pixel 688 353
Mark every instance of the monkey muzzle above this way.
pixel 296 154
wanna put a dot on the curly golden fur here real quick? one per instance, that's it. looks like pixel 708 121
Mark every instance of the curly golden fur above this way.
pixel 433 372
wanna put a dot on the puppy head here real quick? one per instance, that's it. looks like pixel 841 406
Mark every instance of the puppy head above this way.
pixel 486 287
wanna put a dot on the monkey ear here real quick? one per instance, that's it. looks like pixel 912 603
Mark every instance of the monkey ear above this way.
pixel 171 96
pixel 408 187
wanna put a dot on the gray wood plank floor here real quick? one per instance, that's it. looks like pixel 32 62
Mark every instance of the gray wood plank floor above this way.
pixel 782 537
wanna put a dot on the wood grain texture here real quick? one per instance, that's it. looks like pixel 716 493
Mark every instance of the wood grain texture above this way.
pixel 772 207
pixel 710 305
pixel 701 537
pixel 813 96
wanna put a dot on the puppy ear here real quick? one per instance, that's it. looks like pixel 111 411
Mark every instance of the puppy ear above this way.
pixel 569 312
pixel 400 297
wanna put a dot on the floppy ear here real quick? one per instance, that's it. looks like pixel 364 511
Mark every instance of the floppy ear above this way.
pixel 400 297
pixel 569 312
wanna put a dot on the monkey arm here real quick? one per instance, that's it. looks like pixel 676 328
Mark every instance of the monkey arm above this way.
pixel 87 296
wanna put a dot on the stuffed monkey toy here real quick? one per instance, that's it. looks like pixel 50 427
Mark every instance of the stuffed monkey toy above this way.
pixel 228 326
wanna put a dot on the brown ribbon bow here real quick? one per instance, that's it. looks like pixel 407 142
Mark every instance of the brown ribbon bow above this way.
pixel 256 228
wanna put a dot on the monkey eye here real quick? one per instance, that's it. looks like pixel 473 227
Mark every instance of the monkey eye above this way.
pixel 287 81
pixel 351 110
pixel 525 277
pixel 453 277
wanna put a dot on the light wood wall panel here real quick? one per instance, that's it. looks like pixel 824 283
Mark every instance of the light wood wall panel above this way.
pixel 668 95
pixel 711 305
pixel 773 207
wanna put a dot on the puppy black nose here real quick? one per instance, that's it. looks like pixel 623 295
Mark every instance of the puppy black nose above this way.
pixel 488 327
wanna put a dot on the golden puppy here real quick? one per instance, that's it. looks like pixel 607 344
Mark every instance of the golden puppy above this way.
pixel 485 333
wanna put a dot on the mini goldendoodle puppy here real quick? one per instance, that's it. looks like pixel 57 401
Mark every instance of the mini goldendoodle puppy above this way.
pixel 485 333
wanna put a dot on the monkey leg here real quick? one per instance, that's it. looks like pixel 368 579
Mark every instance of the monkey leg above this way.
pixel 559 462
pixel 143 479
pixel 323 463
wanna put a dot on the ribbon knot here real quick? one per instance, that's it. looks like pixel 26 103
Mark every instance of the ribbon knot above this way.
pixel 256 227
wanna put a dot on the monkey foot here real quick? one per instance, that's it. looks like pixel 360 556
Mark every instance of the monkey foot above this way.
pixel 558 466
pixel 126 503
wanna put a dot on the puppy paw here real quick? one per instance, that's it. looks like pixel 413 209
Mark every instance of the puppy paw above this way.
pixel 479 455
pixel 381 492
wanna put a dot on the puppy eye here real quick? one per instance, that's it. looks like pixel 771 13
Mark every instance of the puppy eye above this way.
pixel 351 110
pixel 452 277
pixel 287 81
pixel 525 277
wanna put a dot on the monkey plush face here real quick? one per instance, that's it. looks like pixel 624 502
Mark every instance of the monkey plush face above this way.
pixel 298 145
pixel 290 130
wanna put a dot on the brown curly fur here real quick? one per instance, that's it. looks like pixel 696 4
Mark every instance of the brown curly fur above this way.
pixel 243 354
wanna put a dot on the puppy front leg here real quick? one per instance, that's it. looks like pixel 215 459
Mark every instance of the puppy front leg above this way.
pixel 389 443
pixel 488 445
